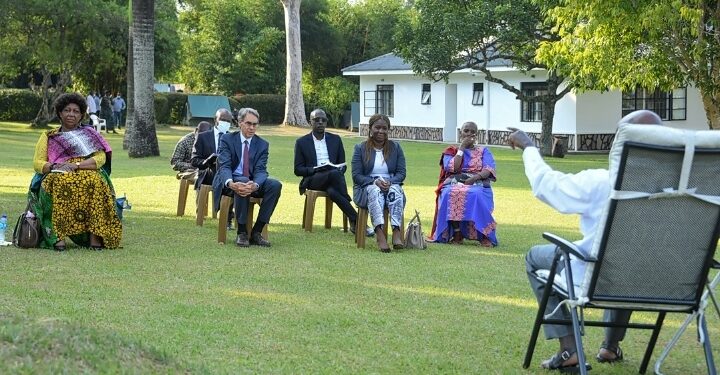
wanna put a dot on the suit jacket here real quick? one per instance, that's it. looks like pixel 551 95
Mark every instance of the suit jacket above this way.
pixel 306 158
pixel 230 154
pixel 363 166
pixel 203 147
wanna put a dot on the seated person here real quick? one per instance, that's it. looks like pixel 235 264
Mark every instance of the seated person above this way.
pixel 464 204
pixel 75 197
pixel 242 169
pixel 180 159
pixel 317 149
pixel 378 172
pixel 205 151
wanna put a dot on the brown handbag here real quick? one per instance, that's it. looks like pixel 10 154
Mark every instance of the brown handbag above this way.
pixel 26 234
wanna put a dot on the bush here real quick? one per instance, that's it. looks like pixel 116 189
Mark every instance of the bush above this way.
pixel 170 107
pixel 271 107
pixel 162 110
pixel 19 105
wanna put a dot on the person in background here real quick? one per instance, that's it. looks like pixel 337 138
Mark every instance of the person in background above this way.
pixel 118 104
pixel 378 172
pixel 96 98
pixel 584 193
pixel 242 159
pixel 180 160
pixel 464 204
pixel 106 112
pixel 317 149
pixel 90 104
pixel 75 197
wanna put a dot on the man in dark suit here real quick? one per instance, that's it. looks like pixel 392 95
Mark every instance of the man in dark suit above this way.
pixel 314 153
pixel 204 154
pixel 242 168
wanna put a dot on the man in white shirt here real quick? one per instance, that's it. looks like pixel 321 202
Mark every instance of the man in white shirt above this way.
pixel 92 109
pixel 314 152
pixel 584 193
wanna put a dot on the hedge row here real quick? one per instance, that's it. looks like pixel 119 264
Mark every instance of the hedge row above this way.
pixel 19 105
pixel 23 105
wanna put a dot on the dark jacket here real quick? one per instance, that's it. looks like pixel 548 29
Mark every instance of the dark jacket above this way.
pixel 363 166
pixel 306 159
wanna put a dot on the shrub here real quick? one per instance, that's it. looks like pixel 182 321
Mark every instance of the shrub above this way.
pixel 162 110
pixel 177 102
pixel 19 105
pixel 271 107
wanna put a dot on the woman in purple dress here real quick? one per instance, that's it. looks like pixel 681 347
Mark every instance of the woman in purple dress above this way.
pixel 464 204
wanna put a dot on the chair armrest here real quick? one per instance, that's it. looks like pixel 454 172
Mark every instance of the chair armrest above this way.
pixel 567 247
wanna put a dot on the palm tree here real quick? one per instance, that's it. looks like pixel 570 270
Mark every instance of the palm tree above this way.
pixel 141 137
pixel 294 103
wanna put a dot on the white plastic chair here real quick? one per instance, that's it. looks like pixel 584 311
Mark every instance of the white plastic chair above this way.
pixel 98 123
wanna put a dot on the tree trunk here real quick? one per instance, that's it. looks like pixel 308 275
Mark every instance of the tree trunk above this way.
pixel 294 103
pixel 142 139
pixel 712 108
pixel 130 88
pixel 43 116
pixel 546 137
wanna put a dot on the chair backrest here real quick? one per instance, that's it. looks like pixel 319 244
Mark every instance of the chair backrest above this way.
pixel 660 229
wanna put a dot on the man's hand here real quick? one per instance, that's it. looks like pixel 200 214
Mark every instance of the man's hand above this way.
pixel 519 139
pixel 242 189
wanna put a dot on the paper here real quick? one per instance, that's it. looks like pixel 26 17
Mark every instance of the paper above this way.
pixel 328 166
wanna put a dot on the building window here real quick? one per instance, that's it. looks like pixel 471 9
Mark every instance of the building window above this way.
pixel 425 96
pixel 385 100
pixel 379 101
pixel 532 111
pixel 477 98
pixel 669 105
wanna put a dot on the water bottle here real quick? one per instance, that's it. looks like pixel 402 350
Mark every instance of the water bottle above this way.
pixel 3 227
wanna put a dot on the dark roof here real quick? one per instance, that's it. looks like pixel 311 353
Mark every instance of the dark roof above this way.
pixel 390 61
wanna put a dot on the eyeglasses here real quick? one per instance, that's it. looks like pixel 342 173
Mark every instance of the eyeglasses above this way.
pixel 248 123
pixel 319 119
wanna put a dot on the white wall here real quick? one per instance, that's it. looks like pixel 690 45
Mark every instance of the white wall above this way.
pixel 590 112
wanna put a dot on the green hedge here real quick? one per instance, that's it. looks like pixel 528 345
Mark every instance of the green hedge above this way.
pixel 19 105
pixel 271 107
pixel 170 107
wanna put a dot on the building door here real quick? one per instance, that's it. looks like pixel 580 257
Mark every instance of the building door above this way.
pixel 450 129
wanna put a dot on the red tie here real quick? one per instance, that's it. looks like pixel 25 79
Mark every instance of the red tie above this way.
pixel 246 160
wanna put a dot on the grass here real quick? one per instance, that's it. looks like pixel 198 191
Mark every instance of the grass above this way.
pixel 172 300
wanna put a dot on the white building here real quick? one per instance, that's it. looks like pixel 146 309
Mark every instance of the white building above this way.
pixel 421 109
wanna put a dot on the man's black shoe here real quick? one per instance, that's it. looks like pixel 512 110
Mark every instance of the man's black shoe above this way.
pixel 242 240
pixel 257 239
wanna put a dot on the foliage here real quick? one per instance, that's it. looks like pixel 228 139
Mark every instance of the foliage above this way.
pixel 18 105
pixel 162 108
pixel 226 50
pixel 441 37
pixel 177 102
pixel 333 95
pixel 271 107
pixel 364 28
pixel 313 303
pixel 654 44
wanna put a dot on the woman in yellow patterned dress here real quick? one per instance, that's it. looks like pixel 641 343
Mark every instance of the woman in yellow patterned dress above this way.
pixel 75 197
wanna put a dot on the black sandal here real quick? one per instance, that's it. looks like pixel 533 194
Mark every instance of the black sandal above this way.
pixel 614 350
pixel 556 363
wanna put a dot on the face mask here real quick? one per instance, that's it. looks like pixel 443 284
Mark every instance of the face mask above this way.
pixel 223 126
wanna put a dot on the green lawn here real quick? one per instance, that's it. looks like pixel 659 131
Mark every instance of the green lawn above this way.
pixel 174 300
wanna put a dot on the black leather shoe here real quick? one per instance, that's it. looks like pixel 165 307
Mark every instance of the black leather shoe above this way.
pixel 242 240
pixel 257 239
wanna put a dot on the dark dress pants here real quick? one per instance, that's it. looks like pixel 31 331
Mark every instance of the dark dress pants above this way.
pixel 333 183
pixel 269 191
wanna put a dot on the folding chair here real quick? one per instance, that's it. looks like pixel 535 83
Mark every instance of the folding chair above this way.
pixel 656 240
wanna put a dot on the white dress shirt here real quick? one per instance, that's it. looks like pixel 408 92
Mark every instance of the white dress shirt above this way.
pixel 321 151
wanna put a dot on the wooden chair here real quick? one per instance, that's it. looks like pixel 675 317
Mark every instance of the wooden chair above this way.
pixel 203 203
pixel 361 223
pixel 182 195
pixel 311 197
pixel 225 203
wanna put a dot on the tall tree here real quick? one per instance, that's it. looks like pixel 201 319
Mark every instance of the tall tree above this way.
pixel 142 139
pixel 650 43
pixel 445 36
pixel 294 103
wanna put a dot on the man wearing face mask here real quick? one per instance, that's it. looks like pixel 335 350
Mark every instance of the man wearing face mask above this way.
pixel 204 153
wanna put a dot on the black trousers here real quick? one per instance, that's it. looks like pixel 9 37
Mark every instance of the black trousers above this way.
pixel 333 183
